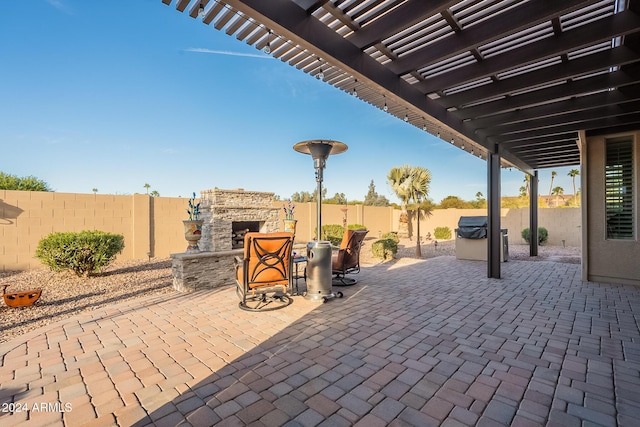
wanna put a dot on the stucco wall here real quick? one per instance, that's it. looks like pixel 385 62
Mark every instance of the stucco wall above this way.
pixel 562 223
pixel 153 225
pixel 608 260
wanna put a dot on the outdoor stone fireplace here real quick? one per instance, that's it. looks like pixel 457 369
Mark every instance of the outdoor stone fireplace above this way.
pixel 229 214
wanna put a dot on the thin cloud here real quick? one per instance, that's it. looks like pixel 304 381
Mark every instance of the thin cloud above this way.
pixel 57 4
pixel 226 52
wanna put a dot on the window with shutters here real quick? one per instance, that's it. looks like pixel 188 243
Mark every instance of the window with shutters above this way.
pixel 619 188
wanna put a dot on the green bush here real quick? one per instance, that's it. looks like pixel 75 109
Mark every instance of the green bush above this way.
pixel 543 235
pixel 85 252
pixel 356 227
pixel 391 235
pixel 442 233
pixel 335 232
pixel 384 248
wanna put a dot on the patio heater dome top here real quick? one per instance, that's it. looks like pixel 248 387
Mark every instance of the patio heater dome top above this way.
pixel 320 148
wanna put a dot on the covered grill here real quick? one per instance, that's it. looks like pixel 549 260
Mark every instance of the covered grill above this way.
pixel 472 227
pixel 471 239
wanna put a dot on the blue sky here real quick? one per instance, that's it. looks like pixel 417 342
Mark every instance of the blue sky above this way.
pixel 115 94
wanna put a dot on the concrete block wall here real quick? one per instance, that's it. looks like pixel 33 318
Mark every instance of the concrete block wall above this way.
pixel 561 223
pixel 154 224
pixel 26 217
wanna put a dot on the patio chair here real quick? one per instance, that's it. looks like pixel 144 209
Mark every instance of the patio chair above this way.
pixel 346 260
pixel 263 275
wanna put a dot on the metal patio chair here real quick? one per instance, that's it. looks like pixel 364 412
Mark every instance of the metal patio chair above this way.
pixel 263 275
pixel 346 260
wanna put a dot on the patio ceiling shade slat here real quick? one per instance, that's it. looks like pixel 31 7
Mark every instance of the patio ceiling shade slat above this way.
pixel 607 122
pixel 223 19
pixel 559 72
pixel 617 25
pixel 569 106
pixel 558 138
pixel 490 30
pixel 235 25
pixel 247 29
pixel 182 4
pixel 572 118
pixel 568 89
pixel 402 17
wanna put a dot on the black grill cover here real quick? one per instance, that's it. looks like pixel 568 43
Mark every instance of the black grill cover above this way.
pixel 472 227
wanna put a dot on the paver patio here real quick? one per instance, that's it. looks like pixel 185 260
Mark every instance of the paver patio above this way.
pixel 430 342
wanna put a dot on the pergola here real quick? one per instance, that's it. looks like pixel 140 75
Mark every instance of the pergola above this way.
pixel 518 83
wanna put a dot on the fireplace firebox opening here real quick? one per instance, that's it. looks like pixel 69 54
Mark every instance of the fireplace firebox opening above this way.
pixel 240 228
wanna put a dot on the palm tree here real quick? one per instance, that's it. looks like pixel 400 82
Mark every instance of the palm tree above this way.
pixel 527 180
pixel 480 201
pixel 147 186
pixel 573 173
pixel 95 191
pixel 399 179
pixel 553 175
pixel 558 191
pixel 419 190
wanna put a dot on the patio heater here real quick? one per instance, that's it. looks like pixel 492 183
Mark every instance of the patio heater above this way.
pixel 319 251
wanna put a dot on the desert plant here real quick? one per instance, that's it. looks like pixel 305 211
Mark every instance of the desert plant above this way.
pixel 392 235
pixel 85 252
pixel 442 233
pixel 384 248
pixel 543 235
pixel 194 209
pixel 289 210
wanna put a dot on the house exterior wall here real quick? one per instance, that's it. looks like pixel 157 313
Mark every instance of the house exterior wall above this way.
pixel 607 260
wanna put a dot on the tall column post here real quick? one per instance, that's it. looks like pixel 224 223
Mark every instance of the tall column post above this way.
pixel 533 215
pixel 494 235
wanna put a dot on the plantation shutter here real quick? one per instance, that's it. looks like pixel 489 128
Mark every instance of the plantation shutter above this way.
pixel 619 189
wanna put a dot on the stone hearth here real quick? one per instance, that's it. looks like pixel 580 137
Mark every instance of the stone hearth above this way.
pixel 223 210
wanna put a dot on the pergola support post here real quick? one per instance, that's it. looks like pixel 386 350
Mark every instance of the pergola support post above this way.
pixel 494 233
pixel 533 215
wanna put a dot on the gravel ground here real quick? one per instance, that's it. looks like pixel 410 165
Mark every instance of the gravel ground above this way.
pixel 64 294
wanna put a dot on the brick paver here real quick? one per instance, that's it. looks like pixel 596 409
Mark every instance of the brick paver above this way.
pixel 430 342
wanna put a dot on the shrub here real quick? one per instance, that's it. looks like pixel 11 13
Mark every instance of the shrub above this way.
pixel 335 232
pixel 442 233
pixel 85 252
pixel 332 233
pixel 391 235
pixel 356 227
pixel 543 235
pixel 384 248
